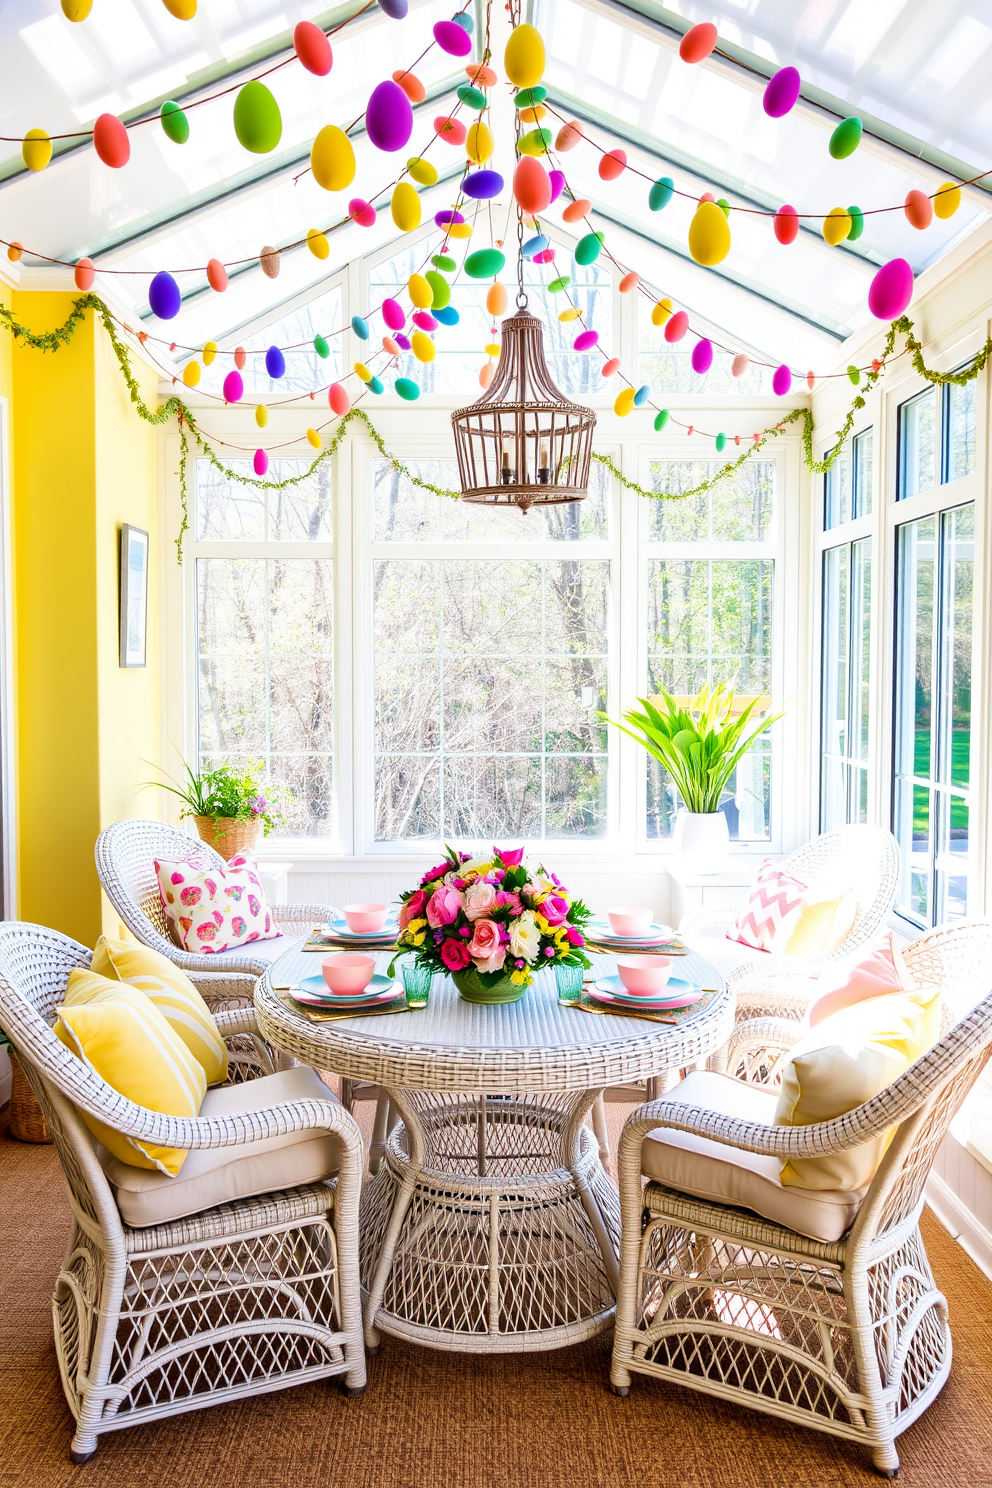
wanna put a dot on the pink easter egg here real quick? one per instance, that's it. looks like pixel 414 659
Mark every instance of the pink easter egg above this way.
pixel 337 397
pixel 781 92
pixel 260 463
pixel 891 290
pixel 610 368
pixel 359 211
pixel 585 341
pixel 786 225
pixel 702 356
pixel 424 322
pixel 546 255
pixel 234 387
pixel 389 116
pixel 450 131
pixel 739 365
pixel 676 326
pixel 557 179
pixel 781 381
pixel 393 314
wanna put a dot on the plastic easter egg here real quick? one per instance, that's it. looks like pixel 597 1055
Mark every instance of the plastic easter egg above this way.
pixel 360 328
pixel 446 314
pixel 526 98
pixel 257 120
pixel 572 313
pixel 524 59
pixel 389 346
pixel 448 218
pixel 359 211
pixel 36 149
pixel 836 226
pixel 610 368
pixel 557 179
pixel 568 136
pixel 481 75
pixel 557 285
pixel 485 263
pixel 375 386
pixel 857 223
pixel 698 42
pixel 709 235
pixel 577 209
pixel 260 462
pixel 629 281
pixel 321 347
pixel 216 275
pixel 946 200
pixel 479 144
pixel 642 395
pixel 422 347
pixel 76 10
pixel 724 205
pixel 720 443
pixel 486 375
pixel 337 397
pixel 585 341
pixel 209 353
pixel 411 85
pixel 363 373
pixel 786 225
pixel 402 341
pixel 452 38
pixel 240 357
pixel 661 312
pixel 404 207
pixel 845 139
pixel 275 362
pixel 536 142
pixel 441 288
pixel 891 290
pixel 918 209
pixel 312 48
pixel 234 387
pixel 317 243
pixel 811 380
pixel 389 117
pixel 424 321
pixel 588 248
pixel 854 375
pixel 420 292
pixel 313 437
pixel 781 381
pixel 623 402
pixel 15 252
pixel 531 186
pixel 483 185
pixel 261 415
pixel 661 419
pixel 407 389
pixel 496 298
pixel 421 171
pixel 396 10
pixel 164 297
pixel 191 374
pixel 676 326
pixel 781 92
pixel 110 141
pixel 702 356
pixel 464 19
pixel 471 97
pixel 393 314
pixel 270 261
pixel 174 122
pixel 612 164
pixel 183 10
pixel 661 193
pixel 739 365
pixel 450 131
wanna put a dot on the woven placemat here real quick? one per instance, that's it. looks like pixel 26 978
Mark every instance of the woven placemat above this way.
pixel 398 1004
pixel 671 1016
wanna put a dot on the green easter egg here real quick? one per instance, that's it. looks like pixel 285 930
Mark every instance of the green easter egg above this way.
pixel 175 123
pixel 588 249
pixel 528 97
pixel 407 389
pixel 257 120
pixel 321 347
pixel 721 443
pixel 661 420
pixel 845 139
pixel 854 374
pixel 857 223
pixel 557 285
pixel 536 142
pixel 724 205
pixel 442 261
pixel 484 263
pixel 471 97
pixel 441 288
pixel 661 193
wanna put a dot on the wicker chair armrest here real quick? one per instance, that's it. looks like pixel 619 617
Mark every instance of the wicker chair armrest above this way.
pixel 708 922
pixel 303 916
pixel 763 1033
pixel 231 1021
pixel 213 986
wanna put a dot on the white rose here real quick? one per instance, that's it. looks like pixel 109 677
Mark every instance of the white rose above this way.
pixel 525 938
pixel 475 865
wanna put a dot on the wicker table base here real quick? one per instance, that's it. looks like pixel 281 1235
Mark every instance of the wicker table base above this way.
pixel 491 1227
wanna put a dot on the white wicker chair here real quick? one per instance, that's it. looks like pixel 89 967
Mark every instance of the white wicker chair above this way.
pixel 850 1336
pixel 252 1295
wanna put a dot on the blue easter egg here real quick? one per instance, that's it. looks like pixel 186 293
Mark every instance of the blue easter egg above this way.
pixel 642 395
pixel 446 314
pixel 360 327
pixel 534 245
pixel 164 297
pixel 275 362
pixel 483 185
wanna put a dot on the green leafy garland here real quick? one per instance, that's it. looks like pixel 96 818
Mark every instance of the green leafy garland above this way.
pixel 190 429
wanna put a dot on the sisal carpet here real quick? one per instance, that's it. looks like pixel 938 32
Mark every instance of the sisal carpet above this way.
pixel 436 1420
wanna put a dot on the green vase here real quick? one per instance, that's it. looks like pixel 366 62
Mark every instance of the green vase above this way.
pixel 471 986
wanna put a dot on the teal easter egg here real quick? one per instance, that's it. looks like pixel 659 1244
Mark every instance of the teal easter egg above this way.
pixel 845 139
pixel 175 123
pixel 257 120
pixel 661 193
pixel 407 389
pixel 360 327
pixel 472 98
pixel 375 386
pixel 484 263
pixel 588 249
pixel 857 223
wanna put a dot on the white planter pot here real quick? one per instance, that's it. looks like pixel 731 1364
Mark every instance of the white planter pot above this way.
pixel 702 841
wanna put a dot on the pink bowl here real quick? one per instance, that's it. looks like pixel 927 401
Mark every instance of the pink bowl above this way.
pixel 629 921
pixel 642 975
pixel 365 919
pixel 347 972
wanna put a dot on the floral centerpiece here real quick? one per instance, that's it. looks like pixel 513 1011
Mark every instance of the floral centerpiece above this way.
pixel 491 921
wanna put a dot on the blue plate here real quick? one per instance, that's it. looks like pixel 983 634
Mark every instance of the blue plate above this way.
pixel 389 931
pixel 675 991
pixel 602 931
pixel 314 987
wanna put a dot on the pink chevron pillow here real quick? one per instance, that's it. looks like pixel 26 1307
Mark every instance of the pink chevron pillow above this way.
pixel 773 908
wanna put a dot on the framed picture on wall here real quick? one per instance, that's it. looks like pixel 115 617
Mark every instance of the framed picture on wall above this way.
pixel 134 596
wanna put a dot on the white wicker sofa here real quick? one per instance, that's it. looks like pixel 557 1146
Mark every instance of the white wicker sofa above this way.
pixel 238 1276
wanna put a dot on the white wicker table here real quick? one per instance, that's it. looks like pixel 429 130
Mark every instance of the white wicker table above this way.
pixel 492 1225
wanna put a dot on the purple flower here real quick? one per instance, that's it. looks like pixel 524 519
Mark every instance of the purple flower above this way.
pixel 438 936
pixel 549 950
pixel 257 805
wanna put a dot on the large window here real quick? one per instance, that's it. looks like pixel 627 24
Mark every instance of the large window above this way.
pixel 846 651
pixel 847 484
pixel 937 433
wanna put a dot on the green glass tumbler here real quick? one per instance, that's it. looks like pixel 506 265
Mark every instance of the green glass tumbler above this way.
pixel 569 980
pixel 416 983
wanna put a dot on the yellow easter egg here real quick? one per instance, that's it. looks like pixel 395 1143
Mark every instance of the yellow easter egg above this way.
pixel 422 346
pixel 523 60
pixel 947 199
pixel 479 142
pixel 191 374
pixel 332 159
pixel 317 243
pixel 422 171
pixel 405 207
pixel 709 235
pixel 261 415
pixel 496 299
pixel 661 312
pixel 209 352
pixel 183 10
pixel 460 230
pixel 836 226
pixel 76 10
pixel 492 349
pixel 572 313
pixel 625 398
pixel 420 292
pixel 314 438
pixel 363 372
pixel 36 149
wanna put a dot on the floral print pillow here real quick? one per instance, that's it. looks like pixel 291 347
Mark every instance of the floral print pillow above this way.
pixel 214 909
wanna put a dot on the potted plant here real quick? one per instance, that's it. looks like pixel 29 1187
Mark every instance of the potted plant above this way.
pixel 700 747
pixel 229 804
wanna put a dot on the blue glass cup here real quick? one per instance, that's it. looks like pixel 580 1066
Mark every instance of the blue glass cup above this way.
pixel 569 980
pixel 416 983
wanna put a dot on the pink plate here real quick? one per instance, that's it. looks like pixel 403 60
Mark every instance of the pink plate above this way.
pixel 345 1004
pixel 648 1004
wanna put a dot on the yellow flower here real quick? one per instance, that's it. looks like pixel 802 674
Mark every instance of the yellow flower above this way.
pixel 519 976
pixel 418 940
pixel 542 924
pixel 417 924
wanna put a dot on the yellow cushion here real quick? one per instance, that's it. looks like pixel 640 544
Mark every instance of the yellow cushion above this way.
pixel 121 1035
pixel 841 1063
pixel 172 992
pixel 823 925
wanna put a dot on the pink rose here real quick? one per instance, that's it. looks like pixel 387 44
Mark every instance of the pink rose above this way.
pixel 444 905
pixel 506 899
pixel 554 909
pixel 412 909
pixel 434 873
pixel 454 954
pixel 480 900
pixel 575 937
pixel 511 856
pixel 486 947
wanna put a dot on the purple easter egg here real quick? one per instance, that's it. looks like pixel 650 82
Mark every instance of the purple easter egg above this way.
pixel 452 38
pixel 234 387
pixel 557 179
pixel 164 297
pixel 394 9
pixel 891 290
pixel 585 341
pixel 781 92
pixel 781 381
pixel 389 116
pixel 260 464
pixel 482 185
pixel 425 322
pixel 393 314
pixel 445 219
pixel 401 341
pixel 275 362
pixel 702 356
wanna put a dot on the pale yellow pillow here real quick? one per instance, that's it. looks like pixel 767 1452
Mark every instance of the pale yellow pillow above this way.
pixel 121 1035
pixel 823 924
pixel 841 1063
pixel 172 992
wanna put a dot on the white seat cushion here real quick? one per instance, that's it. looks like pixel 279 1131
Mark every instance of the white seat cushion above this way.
pixel 256 950
pixel 727 1175
pixel 216 1175
pixel 726 955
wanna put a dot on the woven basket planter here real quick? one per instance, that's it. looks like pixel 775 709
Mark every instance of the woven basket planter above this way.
pixel 227 836
pixel 27 1122
pixel 471 986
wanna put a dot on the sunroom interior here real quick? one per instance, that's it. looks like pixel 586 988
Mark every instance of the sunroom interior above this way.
pixel 515 546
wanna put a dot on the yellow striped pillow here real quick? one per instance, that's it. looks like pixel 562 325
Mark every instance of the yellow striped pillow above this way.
pixel 172 992
pixel 121 1035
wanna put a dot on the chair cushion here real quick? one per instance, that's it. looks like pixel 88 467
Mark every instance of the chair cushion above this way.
pixel 210 909
pixel 121 1035
pixel 727 1175
pixel 874 972
pixel 824 922
pixel 216 1175
pixel 772 911
pixel 267 951
pixel 172 992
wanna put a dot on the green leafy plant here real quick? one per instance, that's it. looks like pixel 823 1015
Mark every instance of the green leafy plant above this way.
pixel 699 746
pixel 230 793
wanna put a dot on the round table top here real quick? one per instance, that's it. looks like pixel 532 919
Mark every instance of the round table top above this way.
pixel 531 1045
